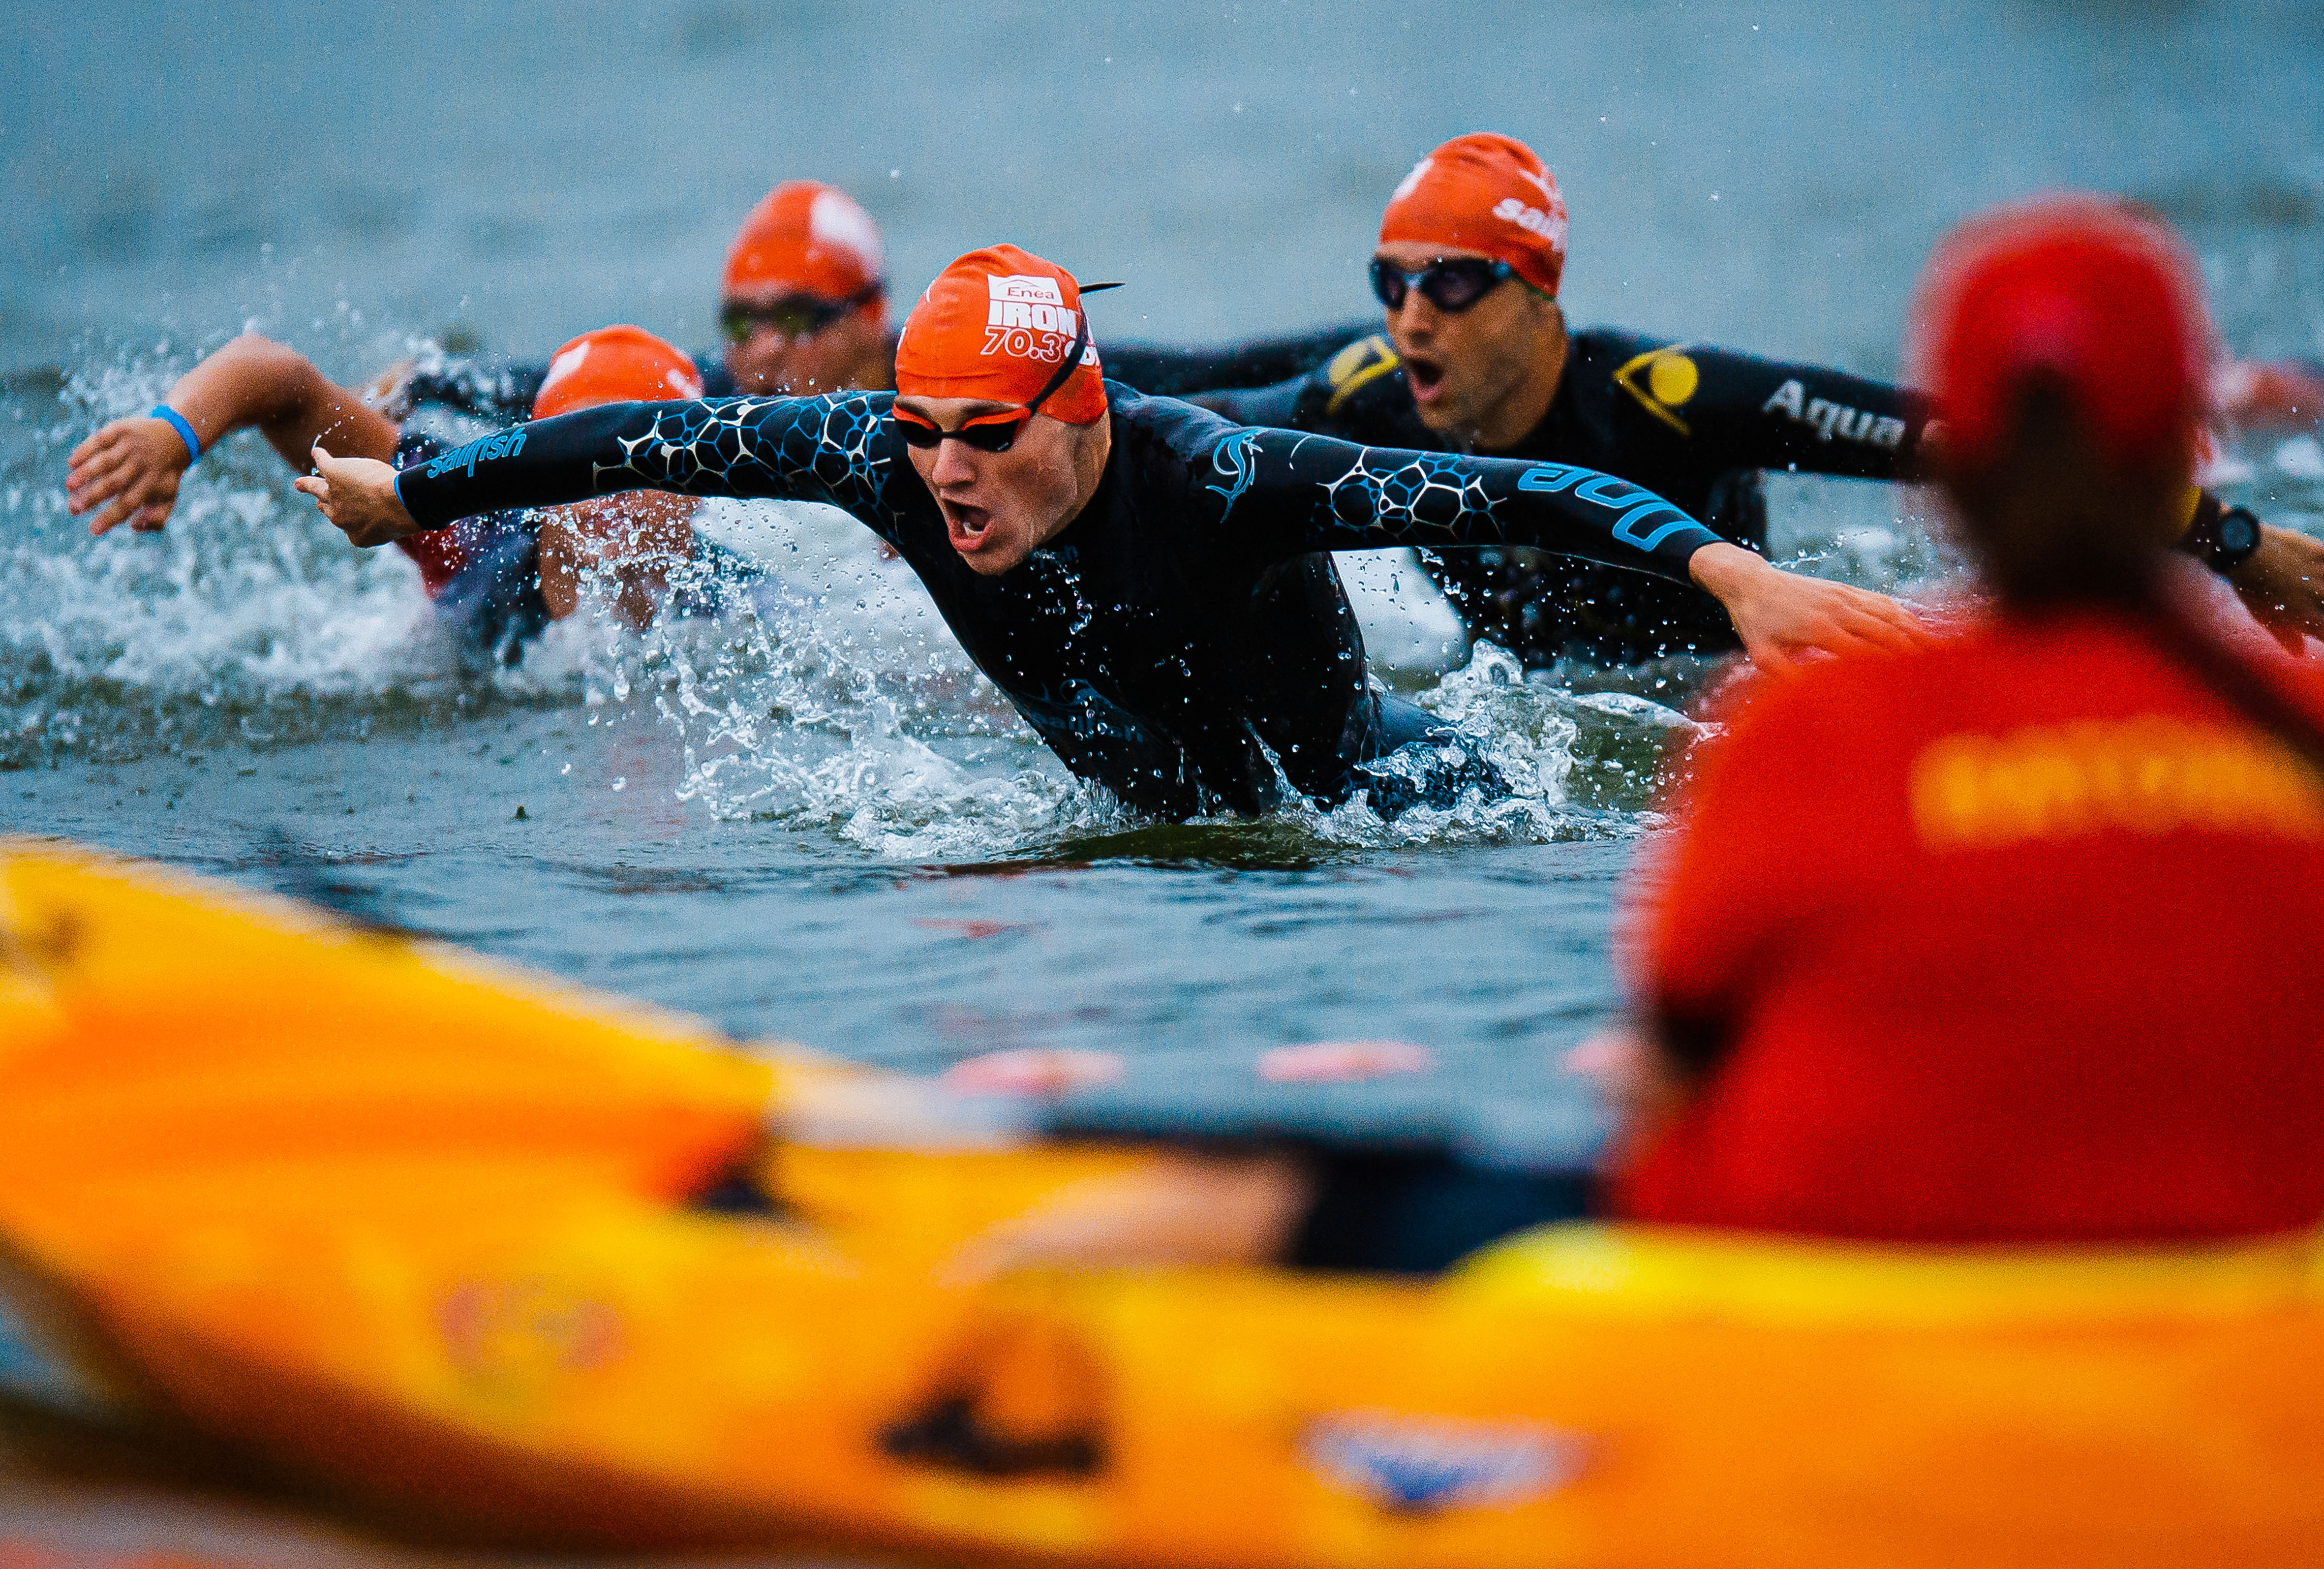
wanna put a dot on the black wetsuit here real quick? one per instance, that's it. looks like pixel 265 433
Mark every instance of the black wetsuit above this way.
pixel 1182 637
pixel 1697 425
pixel 502 390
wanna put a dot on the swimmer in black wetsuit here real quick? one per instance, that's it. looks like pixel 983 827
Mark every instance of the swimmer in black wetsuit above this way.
pixel 498 581
pixel 1477 357
pixel 1144 587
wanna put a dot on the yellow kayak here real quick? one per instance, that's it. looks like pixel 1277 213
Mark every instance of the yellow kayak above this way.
pixel 417 1229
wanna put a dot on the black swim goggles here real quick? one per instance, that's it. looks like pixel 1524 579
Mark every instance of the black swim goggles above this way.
pixel 997 432
pixel 794 316
pixel 1451 285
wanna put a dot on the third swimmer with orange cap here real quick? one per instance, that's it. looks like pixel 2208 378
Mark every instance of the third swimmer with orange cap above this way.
pixel 1477 357
pixel 1141 578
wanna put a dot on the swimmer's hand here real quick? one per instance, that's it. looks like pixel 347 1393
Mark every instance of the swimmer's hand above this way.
pixel 389 391
pixel 358 495
pixel 2281 583
pixel 131 468
pixel 1785 619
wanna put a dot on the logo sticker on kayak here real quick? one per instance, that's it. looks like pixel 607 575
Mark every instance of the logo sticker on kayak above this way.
pixel 512 1339
pixel 1420 1464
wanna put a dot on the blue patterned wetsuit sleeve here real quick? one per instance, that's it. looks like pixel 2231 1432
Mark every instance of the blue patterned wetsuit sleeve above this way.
pixel 818 449
pixel 1290 494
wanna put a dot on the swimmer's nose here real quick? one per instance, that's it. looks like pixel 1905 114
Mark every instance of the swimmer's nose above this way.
pixel 1415 319
pixel 954 466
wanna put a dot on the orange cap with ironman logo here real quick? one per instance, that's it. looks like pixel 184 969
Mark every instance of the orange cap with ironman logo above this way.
pixel 996 325
pixel 1485 193
pixel 615 364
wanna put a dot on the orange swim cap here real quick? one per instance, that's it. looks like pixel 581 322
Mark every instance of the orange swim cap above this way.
pixel 1487 193
pixel 810 238
pixel 997 324
pixel 2084 288
pixel 615 364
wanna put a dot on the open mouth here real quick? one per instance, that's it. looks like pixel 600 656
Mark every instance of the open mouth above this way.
pixel 1424 376
pixel 967 525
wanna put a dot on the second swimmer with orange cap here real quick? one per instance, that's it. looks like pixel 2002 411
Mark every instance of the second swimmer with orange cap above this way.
pixel 498 579
pixel 1141 578
pixel 804 309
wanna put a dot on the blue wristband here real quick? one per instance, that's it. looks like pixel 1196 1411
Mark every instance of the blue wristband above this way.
pixel 185 430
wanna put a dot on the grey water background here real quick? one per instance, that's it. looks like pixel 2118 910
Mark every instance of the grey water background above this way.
pixel 815 822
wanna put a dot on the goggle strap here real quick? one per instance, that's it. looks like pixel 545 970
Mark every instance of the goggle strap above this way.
pixel 1073 362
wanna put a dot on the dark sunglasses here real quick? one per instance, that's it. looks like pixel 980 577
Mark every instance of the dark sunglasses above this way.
pixel 1451 285
pixel 996 432
pixel 792 316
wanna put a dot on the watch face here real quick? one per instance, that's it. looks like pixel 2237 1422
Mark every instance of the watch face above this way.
pixel 2238 532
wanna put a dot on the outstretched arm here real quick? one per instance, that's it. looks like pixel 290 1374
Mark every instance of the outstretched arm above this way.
pixel 1291 494
pixel 131 468
pixel 831 449
pixel 1740 411
pixel 1186 372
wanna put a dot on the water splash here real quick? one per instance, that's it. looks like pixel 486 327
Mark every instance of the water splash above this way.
pixel 818 691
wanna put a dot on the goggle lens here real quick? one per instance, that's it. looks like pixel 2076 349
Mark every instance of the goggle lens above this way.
pixel 986 432
pixel 794 316
pixel 1451 286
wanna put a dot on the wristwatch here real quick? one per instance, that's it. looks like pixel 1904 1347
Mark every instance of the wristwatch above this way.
pixel 2222 538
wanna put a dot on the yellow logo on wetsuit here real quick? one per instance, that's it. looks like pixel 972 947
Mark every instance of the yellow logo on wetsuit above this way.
pixel 2147 776
pixel 1671 379
pixel 1358 366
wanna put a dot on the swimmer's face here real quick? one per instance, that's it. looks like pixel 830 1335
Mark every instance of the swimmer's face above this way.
pixel 845 356
pixel 1463 368
pixel 999 507
pixel 635 536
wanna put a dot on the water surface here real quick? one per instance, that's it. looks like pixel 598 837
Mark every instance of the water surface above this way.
pixel 809 818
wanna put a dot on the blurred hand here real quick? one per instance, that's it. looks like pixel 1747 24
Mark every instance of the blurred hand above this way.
pixel 1639 1085
pixel 358 495
pixel 1170 1209
pixel 1785 619
pixel 2280 393
pixel 390 390
pixel 2283 586
pixel 131 468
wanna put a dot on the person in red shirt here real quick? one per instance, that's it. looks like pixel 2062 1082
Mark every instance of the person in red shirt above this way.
pixel 2005 939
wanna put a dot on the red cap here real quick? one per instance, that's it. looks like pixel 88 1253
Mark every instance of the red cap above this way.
pixel 996 324
pixel 1487 193
pixel 615 364
pixel 809 237
pixel 2083 288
